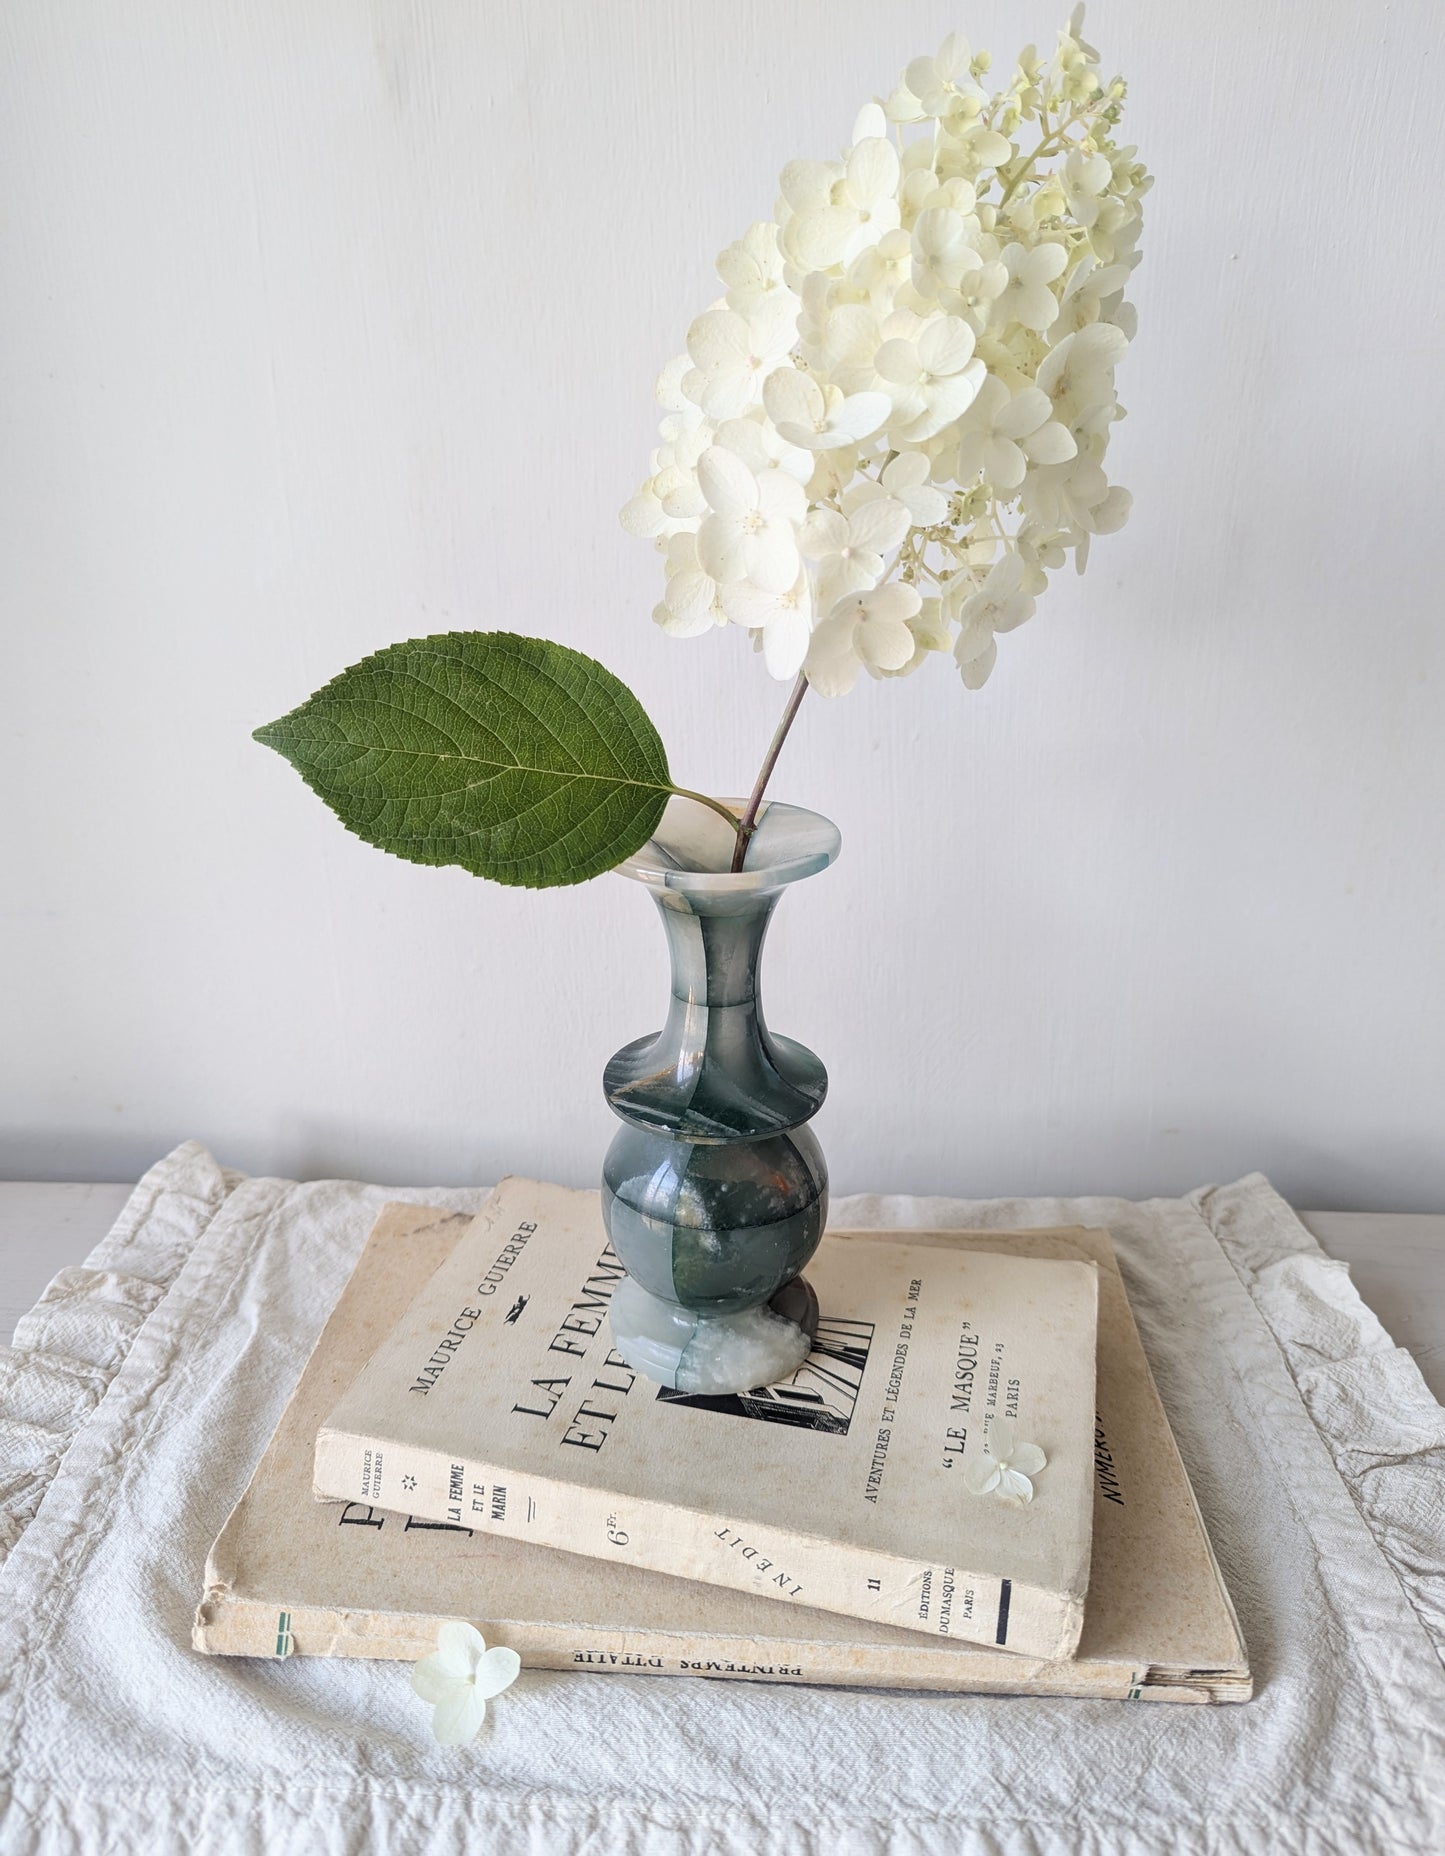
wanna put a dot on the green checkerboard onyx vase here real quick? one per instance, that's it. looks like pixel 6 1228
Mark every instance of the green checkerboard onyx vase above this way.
pixel 714 1190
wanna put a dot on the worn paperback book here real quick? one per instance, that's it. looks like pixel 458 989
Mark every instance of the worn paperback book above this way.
pixel 498 1402
pixel 288 1576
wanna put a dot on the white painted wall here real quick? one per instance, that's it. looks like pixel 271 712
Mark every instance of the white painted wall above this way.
pixel 329 324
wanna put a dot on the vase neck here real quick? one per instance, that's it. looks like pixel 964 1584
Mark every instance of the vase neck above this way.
pixel 715 952
pixel 715 1072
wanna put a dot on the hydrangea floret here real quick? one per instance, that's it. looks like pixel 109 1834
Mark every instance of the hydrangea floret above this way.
pixel 459 1678
pixel 1007 1466
pixel 893 424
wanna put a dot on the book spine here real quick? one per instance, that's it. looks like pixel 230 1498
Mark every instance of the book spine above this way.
pixel 229 1626
pixel 937 1601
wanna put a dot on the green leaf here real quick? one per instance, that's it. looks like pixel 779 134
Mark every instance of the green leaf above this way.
pixel 514 757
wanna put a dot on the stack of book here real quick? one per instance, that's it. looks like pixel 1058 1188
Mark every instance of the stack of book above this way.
pixel 489 1457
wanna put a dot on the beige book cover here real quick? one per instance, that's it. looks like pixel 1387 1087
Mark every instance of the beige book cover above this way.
pixel 288 1576
pixel 498 1402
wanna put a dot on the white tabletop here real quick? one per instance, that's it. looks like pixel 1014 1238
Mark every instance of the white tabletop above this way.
pixel 1397 1259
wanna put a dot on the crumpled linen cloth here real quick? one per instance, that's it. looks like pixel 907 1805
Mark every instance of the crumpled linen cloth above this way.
pixel 142 1390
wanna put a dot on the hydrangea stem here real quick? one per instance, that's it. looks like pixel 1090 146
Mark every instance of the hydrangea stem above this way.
pixel 1051 144
pixel 748 824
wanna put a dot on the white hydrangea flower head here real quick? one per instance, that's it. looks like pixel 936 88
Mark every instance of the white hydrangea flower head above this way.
pixel 893 425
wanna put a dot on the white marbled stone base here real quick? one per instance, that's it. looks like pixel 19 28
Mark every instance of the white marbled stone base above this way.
pixel 705 1353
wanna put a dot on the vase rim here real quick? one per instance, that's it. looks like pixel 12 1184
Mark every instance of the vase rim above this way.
pixel 692 848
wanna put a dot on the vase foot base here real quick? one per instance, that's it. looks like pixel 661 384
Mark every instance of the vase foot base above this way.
pixel 716 1354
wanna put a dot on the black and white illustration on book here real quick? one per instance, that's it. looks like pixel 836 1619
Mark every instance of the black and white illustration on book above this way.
pixel 820 1396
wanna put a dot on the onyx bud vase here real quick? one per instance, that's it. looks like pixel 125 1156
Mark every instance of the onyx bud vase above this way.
pixel 714 1190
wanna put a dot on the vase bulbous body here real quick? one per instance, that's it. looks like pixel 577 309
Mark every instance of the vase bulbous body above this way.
pixel 714 1190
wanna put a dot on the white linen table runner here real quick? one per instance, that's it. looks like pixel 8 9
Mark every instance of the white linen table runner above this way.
pixel 143 1388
